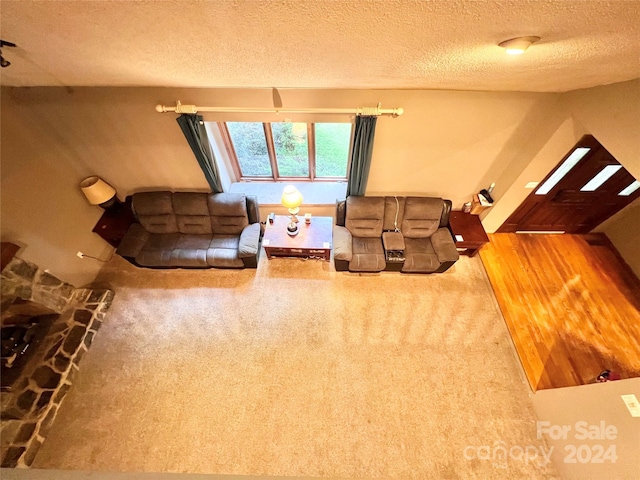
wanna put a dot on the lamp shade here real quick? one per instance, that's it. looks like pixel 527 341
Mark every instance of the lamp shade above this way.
pixel 291 197
pixel 97 190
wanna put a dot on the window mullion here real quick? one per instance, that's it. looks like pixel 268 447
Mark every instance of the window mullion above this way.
pixel 311 141
pixel 231 151
pixel 268 134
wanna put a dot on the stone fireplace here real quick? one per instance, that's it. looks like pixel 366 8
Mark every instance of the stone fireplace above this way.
pixel 47 326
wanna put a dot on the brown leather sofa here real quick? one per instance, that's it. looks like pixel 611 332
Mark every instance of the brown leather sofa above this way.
pixel 406 234
pixel 193 230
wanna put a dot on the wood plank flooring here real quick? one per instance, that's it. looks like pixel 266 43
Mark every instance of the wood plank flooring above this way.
pixel 572 307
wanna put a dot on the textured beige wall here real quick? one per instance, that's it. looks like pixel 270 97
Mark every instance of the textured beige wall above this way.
pixel 592 404
pixel 447 143
pixel 611 114
pixel 42 208
pixel 623 229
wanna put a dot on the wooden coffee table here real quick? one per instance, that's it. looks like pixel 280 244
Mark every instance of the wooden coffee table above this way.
pixel 312 240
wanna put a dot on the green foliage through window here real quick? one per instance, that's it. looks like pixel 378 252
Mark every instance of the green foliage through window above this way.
pixel 293 151
pixel 332 149
pixel 251 148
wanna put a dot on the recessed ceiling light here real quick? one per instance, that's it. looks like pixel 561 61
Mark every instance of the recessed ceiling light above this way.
pixel 517 46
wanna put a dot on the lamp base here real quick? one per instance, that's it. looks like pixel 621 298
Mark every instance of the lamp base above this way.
pixel 292 229
pixel 112 205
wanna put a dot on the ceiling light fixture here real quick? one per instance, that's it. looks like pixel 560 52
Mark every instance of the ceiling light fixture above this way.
pixel 518 45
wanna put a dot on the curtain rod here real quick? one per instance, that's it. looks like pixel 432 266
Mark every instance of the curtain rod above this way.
pixel 373 111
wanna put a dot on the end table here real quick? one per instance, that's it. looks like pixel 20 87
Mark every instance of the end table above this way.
pixel 113 224
pixel 468 232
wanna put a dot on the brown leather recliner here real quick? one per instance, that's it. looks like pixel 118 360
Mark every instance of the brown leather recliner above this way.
pixel 416 234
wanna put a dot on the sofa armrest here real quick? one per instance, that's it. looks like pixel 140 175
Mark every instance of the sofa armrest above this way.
pixel 392 241
pixel 444 245
pixel 133 241
pixel 253 210
pixel 446 213
pixel 341 212
pixel 342 243
pixel 249 241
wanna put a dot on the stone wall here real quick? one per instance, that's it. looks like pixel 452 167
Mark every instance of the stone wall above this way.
pixel 29 410
pixel 24 280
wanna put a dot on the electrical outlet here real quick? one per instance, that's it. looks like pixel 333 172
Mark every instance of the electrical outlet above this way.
pixel 632 404
pixel 80 255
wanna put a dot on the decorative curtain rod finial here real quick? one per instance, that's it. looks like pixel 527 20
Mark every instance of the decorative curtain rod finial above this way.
pixel 179 108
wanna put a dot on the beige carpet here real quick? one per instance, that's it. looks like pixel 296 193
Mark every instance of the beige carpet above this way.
pixel 297 370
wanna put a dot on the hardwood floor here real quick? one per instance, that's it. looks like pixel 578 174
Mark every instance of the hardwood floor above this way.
pixel 572 307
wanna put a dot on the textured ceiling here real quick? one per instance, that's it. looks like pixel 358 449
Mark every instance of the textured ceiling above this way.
pixel 444 44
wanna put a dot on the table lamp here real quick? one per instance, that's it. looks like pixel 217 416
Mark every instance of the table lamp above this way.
pixel 99 192
pixel 292 199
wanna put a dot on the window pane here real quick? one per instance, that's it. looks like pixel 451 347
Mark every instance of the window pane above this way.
pixel 605 174
pixel 630 189
pixel 332 149
pixel 292 152
pixel 251 148
pixel 562 170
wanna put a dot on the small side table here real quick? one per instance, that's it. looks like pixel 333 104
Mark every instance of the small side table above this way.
pixel 113 224
pixel 468 232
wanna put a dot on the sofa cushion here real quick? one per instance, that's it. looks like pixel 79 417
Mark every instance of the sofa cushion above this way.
pixel 189 257
pixel 160 241
pixel 225 241
pixel 224 258
pixel 194 224
pixel 228 213
pixel 195 242
pixel 190 251
pixel 421 216
pixel 390 210
pixel 364 217
pixel 190 203
pixel 420 263
pixel 154 258
pixel 192 212
pixel 133 242
pixel 152 203
pixel 444 245
pixel 164 223
pixel 155 211
pixel 419 256
pixel 367 255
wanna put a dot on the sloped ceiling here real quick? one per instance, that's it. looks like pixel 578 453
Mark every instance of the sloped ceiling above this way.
pixel 447 44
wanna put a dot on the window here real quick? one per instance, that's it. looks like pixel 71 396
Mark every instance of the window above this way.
pixel 630 189
pixel 288 151
pixel 559 174
pixel 605 174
